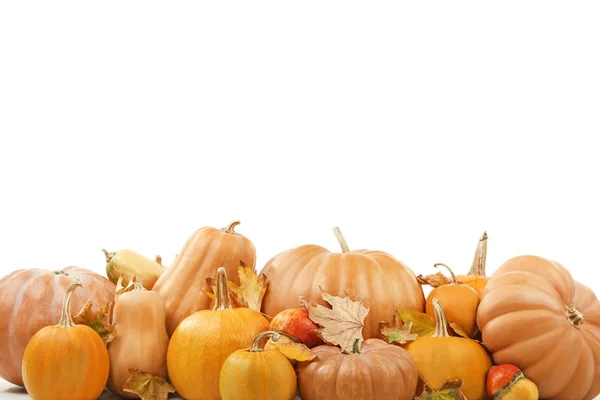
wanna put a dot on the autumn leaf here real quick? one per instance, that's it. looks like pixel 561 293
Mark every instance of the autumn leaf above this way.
pixel 212 284
pixel 120 289
pixel 457 330
pixel 147 386
pixel 421 324
pixel 451 390
pixel 434 280
pixel 397 331
pixel 97 320
pixel 251 290
pixel 294 350
pixel 342 324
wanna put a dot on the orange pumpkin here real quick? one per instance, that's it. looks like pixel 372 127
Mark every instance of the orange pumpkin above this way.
pixel 476 276
pixel 182 285
pixel 383 283
pixel 535 316
pixel 65 361
pixel 31 299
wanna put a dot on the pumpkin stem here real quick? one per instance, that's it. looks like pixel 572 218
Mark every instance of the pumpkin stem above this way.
pixel 229 228
pixel 355 349
pixel 441 323
pixel 65 317
pixel 108 255
pixel 341 240
pixel 478 266
pixel 454 281
pixel 137 285
pixel 574 316
pixel 275 336
pixel 222 301
pixel 158 259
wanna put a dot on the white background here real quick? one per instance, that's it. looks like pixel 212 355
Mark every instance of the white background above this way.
pixel 412 126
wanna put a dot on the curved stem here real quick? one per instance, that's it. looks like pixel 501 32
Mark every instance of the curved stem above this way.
pixel 274 335
pixel 341 240
pixel 574 316
pixel 478 266
pixel 441 323
pixel 65 317
pixel 454 282
pixel 355 349
pixel 222 301
pixel 229 228
pixel 108 255
pixel 158 259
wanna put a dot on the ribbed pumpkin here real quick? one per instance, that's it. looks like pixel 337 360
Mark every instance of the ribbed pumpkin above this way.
pixel 383 283
pixel 535 316
pixel 182 285
pixel 31 299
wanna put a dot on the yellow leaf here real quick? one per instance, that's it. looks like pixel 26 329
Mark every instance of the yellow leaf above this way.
pixel 147 386
pixel 212 284
pixel 294 350
pixel 422 324
pixel 342 324
pixel 251 290
pixel 97 320
pixel 397 331
pixel 451 390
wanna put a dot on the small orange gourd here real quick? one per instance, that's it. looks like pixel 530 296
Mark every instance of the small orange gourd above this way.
pixel 202 341
pixel 258 374
pixel 459 301
pixel 65 361
pixel 141 339
pixel 476 277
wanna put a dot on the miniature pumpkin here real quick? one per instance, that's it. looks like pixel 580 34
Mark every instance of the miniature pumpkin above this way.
pixel 202 341
pixel 183 284
pixel 65 361
pixel 141 339
pixel 476 276
pixel 441 358
pixel 535 316
pixel 31 299
pixel 382 282
pixel 126 264
pixel 377 370
pixel 257 374
pixel 459 302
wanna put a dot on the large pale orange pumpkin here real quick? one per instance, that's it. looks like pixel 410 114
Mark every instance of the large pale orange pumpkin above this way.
pixel 31 299
pixel 382 282
pixel 535 316
pixel 182 285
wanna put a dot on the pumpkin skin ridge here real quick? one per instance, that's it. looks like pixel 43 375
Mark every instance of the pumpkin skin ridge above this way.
pixel 13 317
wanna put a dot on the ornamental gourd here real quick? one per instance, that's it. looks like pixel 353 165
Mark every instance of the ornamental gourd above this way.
pixel 202 341
pixel 141 339
pixel 31 299
pixel 382 282
pixel 126 264
pixel 65 361
pixel 476 277
pixel 535 316
pixel 258 374
pixel 182 285
pixel 441 358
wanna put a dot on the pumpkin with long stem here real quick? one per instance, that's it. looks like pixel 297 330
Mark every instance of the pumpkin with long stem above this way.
pixel 258 374
pixel 476 277
pixel 65 361
pixel 441 358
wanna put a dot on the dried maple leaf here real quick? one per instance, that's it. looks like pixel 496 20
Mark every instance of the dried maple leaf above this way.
pixel 251 290
pixel 212 284
pixel 434 280
pixel 421 324
pixel 341 324
pixel 294 350
pixel 451 390
pixel 147 386
pixel 397 331
pixel 97 320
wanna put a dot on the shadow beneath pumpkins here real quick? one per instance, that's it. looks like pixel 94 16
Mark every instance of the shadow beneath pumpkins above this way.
pixel 108 395
pixel 15 390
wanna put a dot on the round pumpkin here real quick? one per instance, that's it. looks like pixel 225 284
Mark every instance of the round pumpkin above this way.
pixel 377 371
pixel 383 283
pixel 476 277
pixel 535 316
pixel 257 374
pixel 65 361
pixel 182 285
pixel 31 299
pixel 202 342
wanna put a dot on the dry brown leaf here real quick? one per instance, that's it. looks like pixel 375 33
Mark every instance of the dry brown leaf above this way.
pixel 422 324
pixel 341 324
pixel 251 290
pixel 212 284
pixel 97 320
pixel 147 386
pixel 434 280
pixel 397 331
pixel 120 289
pixel 451 390
pixel 294 350
pixel 457 330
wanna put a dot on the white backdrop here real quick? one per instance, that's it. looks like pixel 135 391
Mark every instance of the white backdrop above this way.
pixel 414 127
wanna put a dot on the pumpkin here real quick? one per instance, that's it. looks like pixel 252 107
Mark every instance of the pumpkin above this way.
pixel 183 284
pixel 382 282
pixel 377 370
pixel 476 277
pixel 459 302
pixel 126 264
pixel 257 374
pixel 141 339
pixel 535 316
pixel 65 361
pixel 31 299
pixel 202 341
pixel 441 358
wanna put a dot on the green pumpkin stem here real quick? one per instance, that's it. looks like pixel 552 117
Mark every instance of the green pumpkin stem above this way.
pixel 355 347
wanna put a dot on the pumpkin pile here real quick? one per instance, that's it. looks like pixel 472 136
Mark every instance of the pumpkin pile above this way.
pixel 313 324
